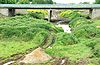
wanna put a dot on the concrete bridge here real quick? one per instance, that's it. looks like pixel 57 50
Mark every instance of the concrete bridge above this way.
pixel 11 7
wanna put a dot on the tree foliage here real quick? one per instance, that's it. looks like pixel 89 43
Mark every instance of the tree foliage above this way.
pixel 8 1
pixel 42 1
pixel 23 2
pixel 26 1
pixel 97 1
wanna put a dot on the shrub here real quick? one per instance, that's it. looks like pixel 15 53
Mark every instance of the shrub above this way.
pixel 66 39
pixel 24 27
pixel 42 1
pixel 39 14
pixel 40 37
pixel 21 33
pixel 79 21
pixel 8 1
pixel 86 31
pixel 71 14
pixel 23 2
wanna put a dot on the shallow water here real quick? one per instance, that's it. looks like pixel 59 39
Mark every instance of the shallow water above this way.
pixel 65 27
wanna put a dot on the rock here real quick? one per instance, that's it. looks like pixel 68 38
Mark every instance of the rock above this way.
pixel 37 56
pixel 97 26
pixel 8 63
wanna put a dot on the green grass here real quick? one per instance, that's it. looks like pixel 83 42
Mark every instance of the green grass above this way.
pixel 20 33
pixel 8 48
pixel 96 22
pixel 73 52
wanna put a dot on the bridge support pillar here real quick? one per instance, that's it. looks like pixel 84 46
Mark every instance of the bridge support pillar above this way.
pixel 90 13
pixel 11 12
pixel 49 15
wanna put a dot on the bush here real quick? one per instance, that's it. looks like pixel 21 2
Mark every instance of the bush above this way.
pixel 86 31
pixel 71 14
pixel 79 21
pixel 89 42
pixel 21 33
pixel 8 1
pixel 23 2
pixel 39 14
pixel 65 39
pixel 24 27
pixel 42 1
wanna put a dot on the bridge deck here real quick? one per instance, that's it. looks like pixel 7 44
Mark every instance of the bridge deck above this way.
pixel 51 6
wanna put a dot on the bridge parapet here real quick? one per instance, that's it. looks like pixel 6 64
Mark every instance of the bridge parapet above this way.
pixel 11 7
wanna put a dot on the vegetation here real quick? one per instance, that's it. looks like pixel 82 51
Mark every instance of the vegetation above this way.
pixel 79 21
pixel 26 1
pixel 66 39
pixel 86 31
pixel 20 33
pixel 71 14
pixel 67 45
pixel 23 2
pixel 42 1
pixel 39 14
pixel 97 1
pixel 10 47
pixel 8 1
pixel 85 35
pixel 73 52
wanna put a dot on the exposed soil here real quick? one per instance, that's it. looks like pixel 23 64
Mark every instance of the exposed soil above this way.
pixel 56 61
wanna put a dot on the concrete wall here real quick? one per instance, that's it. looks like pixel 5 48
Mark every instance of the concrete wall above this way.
pixel 4 12
pixel 21 11
pixel 96 12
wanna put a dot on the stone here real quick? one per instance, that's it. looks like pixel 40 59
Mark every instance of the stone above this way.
pixel 8 63
pixel 98 26
pixel 37 56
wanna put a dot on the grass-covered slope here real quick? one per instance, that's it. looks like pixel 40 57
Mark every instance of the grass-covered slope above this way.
pixel 82 45
pixel 20 33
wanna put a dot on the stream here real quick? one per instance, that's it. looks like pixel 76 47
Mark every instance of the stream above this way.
pixel 66 28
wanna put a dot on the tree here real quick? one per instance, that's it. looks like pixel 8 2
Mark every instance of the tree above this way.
pixel 8 1
pixel 97 1
pixel 42 1
pixel 26 1
pixel 23 2
pixel 49 2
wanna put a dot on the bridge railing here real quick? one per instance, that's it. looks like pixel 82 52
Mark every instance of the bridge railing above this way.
pixel 11 7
